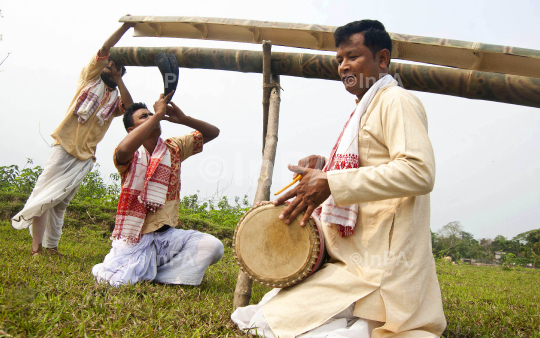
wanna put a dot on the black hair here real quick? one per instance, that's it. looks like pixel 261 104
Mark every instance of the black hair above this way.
pixel 124 70
pixel 128 115
pixel 376 37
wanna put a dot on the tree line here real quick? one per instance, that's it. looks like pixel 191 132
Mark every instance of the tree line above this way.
pixel 452 240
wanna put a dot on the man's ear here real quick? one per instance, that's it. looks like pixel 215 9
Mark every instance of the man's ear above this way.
pixel 130 129
pixel 384 58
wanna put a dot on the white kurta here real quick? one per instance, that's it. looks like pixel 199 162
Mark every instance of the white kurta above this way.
pixel 386 266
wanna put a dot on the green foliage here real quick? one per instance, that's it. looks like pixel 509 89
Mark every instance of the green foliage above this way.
pixel 95 190
pixel 19 180
pixel 215 210
pixel 451 240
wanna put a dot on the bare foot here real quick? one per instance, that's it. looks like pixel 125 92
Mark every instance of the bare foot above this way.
pixel 38 252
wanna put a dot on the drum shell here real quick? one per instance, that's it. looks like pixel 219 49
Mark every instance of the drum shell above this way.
pixel 273 253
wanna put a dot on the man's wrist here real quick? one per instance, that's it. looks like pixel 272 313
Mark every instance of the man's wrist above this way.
pixel 184 120
pixel 160 114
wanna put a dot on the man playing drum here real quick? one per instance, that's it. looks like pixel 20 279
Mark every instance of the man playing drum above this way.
pixel 372 196
pixel 145 244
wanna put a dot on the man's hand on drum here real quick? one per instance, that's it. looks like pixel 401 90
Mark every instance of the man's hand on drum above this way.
pixel 313 162
pixel 312 191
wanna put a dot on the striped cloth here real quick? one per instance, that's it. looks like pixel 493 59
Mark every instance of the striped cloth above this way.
pixel 344 155
pixel 94 95
pixel 145 188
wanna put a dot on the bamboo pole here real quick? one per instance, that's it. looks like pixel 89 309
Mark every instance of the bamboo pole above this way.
pixel 496 87
pixel 267 63
pixel 242 293
pixel 269 156
pixel 439 51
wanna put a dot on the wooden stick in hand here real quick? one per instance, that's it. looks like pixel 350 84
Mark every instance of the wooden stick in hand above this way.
pixel 298 178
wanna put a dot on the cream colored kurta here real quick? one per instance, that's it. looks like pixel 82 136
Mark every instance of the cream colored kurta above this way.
pixel 81 139
pixel 386 266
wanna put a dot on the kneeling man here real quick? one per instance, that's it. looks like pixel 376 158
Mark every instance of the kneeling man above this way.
pixel 145 244
pixel 372 197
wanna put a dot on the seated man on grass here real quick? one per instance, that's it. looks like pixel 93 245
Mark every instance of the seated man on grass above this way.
pixel 145 244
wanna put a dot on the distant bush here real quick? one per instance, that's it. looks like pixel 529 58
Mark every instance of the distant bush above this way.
pixel 22 180
pixel 216 210
pixel 93 189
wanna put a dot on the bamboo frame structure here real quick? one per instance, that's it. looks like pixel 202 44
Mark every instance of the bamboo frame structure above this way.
pixel 444 52
pixel 242 293
pixel 470 84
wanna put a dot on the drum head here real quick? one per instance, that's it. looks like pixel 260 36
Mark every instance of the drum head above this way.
pixel 272 252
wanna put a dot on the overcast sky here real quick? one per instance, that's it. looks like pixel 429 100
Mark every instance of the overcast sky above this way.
pixel 488 154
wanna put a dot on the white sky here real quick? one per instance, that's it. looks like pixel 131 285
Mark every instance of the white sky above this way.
pixel 488 154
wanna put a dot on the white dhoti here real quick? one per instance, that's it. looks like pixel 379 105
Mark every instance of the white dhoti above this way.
pixel 54 189
pixel 251 319
pixel 174 256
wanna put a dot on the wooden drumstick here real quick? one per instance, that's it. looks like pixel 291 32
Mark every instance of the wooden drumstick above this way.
pixel 298 178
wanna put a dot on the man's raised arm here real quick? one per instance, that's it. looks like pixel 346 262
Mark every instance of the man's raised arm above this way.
pixel 124 92
pixel 114 38
pixel 176 115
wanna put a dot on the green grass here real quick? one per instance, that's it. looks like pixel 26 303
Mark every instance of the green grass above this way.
pixel 490 301
pixel 49 297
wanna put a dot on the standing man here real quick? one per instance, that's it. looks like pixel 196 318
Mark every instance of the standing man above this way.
pixel 372 197
pixel 88 117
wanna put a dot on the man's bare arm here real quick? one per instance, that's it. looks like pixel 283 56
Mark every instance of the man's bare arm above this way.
pixel 114 38
pixel 124 92
pixel 176 115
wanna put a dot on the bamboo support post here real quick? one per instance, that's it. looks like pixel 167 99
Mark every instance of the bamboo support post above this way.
pixel 269 156
pixel 242 293
pixel 267 64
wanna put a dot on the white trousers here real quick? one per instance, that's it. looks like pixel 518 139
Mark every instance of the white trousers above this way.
pixel 55 188
pixel 343 325
pixel 174 256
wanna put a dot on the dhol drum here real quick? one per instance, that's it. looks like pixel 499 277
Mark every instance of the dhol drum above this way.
pixel 273 253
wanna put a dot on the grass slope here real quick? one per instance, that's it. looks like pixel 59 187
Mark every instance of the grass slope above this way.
pixel 49 297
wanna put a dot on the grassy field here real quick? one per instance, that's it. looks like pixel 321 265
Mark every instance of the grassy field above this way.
pixel 490 301
pixel 49 297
